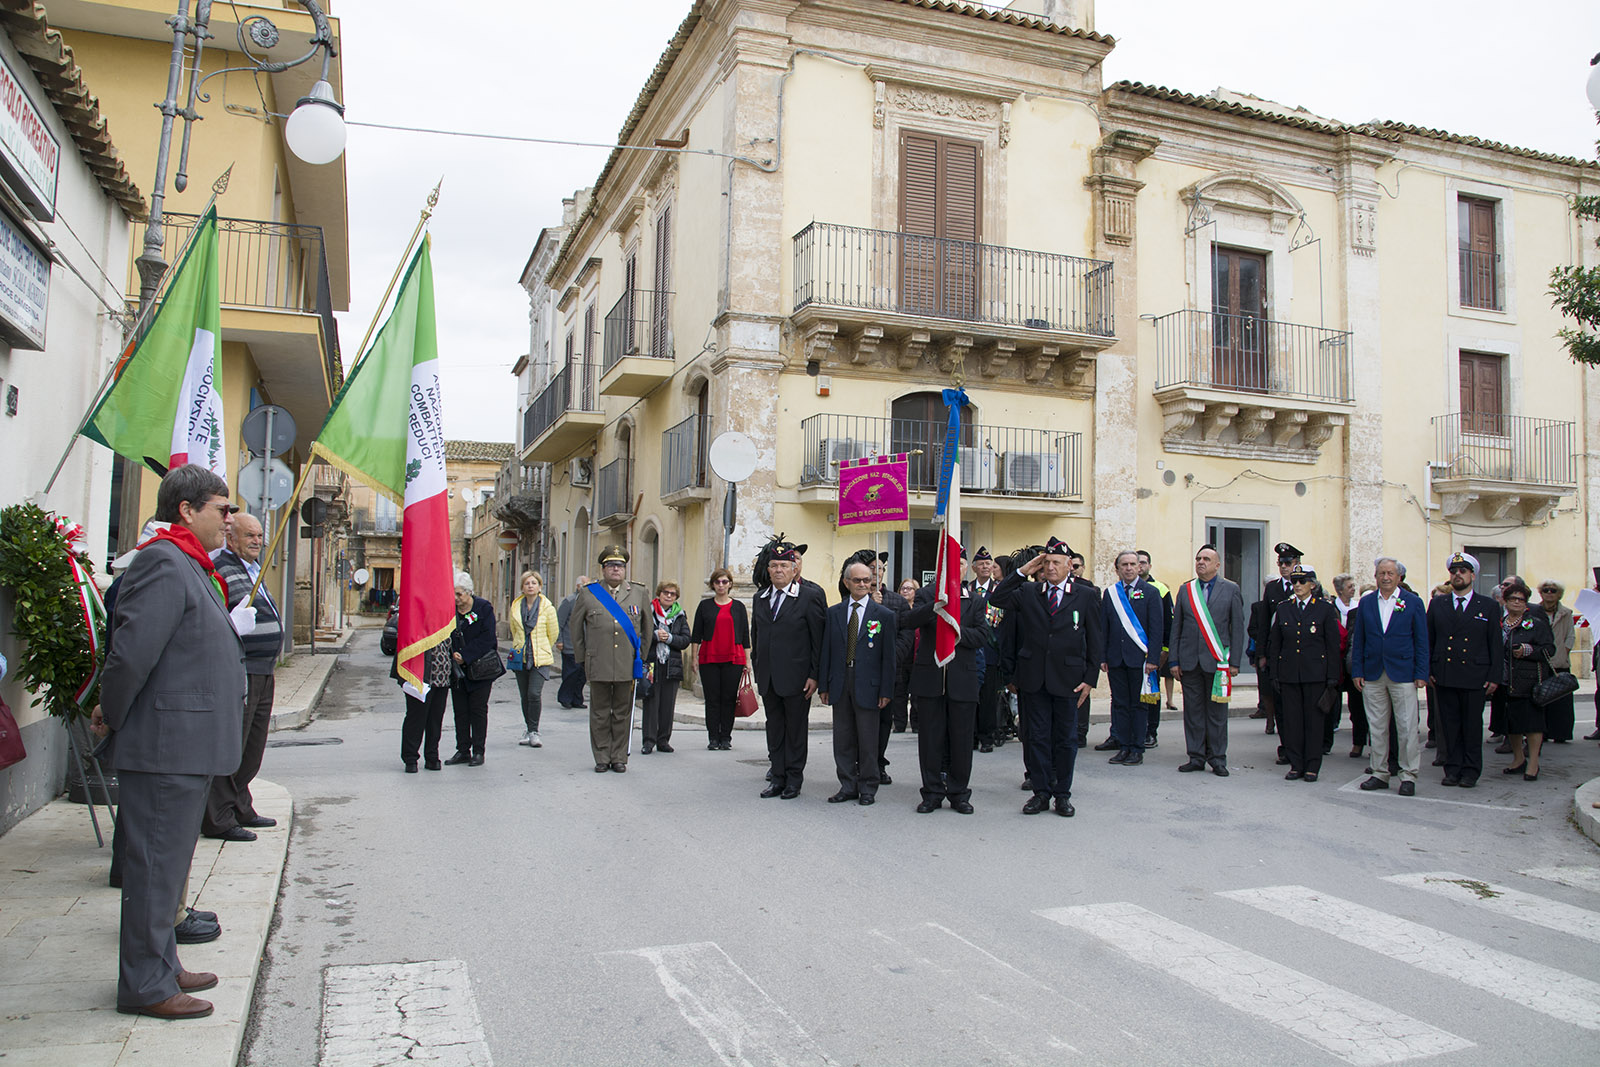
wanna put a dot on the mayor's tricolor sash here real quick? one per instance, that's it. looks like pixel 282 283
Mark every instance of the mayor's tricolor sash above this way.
pixel 1222 687
pixel 1149 692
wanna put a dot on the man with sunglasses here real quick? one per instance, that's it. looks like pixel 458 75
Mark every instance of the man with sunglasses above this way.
pixel 1465 658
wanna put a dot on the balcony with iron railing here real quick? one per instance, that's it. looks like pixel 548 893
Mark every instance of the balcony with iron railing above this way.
pixel 685 469
pixel 565 415
pixel 1247 386
pixel 904 301
pixel 268 269
pixel 613 494
pixel 995 462
pixel 1512 466
pixel 637 355
pixel 1480 280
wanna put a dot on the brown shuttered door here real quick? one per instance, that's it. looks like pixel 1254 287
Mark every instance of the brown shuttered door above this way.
pixel 1482 377
pixel 1479 266
pixel 940 208
pixel 660 329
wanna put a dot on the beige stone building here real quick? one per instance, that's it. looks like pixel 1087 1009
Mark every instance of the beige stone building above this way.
pixel 1178 318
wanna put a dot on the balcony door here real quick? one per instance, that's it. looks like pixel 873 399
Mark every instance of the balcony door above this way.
pixel 917 424
pixel 1238 319
pixel 941 182
pixel 1483 393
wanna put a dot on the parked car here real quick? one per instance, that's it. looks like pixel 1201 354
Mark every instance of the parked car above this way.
pixel 390 641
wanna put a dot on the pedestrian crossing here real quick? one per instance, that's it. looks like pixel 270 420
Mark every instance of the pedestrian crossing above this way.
pixel 1016 1011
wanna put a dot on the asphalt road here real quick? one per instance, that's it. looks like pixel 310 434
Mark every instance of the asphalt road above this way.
pixel 669 916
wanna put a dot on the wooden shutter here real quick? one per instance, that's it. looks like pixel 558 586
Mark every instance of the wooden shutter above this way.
pixel 630 312
pixel 941 208
pixel 660 334
pixel 1482 393
pixel 588 359
pixel 1479 267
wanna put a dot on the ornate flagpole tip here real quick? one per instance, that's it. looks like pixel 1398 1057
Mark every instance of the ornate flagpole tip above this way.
pixel 220 186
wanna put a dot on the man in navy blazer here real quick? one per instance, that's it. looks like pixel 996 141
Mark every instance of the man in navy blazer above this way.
pixel 857 673
pixel 1388 664
pixel 1132 619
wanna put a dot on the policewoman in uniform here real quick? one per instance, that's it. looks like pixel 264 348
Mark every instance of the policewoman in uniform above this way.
pixel 1303 654
pixel 605 625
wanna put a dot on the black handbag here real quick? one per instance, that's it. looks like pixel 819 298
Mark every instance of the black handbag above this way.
pixel 1553 688
pixel 486 668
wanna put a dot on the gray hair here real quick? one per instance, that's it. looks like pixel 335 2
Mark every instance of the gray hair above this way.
pixel 1340 579
pixel 1400 568
pixel 464 582
pixel 1125 552
pixel 1551 583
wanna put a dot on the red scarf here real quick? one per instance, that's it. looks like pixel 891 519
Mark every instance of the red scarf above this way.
pixel 190 546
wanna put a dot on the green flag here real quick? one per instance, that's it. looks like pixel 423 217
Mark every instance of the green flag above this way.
pixel 165 402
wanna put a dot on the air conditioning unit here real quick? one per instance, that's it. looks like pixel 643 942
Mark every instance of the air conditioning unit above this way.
pixel 1033 472
pixel 979 468
pixel 836 450
pixel 582 472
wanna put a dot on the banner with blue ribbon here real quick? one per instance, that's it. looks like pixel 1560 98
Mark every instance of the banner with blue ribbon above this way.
pixel 954 400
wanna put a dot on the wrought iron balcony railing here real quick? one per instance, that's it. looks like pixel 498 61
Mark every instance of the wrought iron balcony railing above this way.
pixel 1480 280
pixel 994 460
pixel 1246 354
pixel 612 495
pixel 637 325
pixel 683 455
pixel 279 266
pixel 1505 448
pixel 879 270
pixel 572 389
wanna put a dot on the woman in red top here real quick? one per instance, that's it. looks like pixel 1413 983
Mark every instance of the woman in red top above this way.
pixel 722 633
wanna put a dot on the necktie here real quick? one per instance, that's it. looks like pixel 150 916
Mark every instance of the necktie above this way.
pixel 850 635
pixel 1055 599
pixel 777 601
pixel 1461 605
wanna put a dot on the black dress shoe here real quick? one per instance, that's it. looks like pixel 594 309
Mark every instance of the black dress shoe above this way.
pixel 1134 759
pixel 620 768
pixel 1469 783
pixel 1036 804
pixel 961 807
pixel 476 760
pixel 203 916
pixel 985 746
pixel 411 766
pixel 1151 742
pixel 234 833
pixel 1592 737
pixel 1107 745
pixel 1408 789
pixel 841 796
pixel 1272 727
pixel 1294 776
pixel 1373 783
pixel 1065 809
pixel 1282 761
pixel 925 807
pixel 884 779
pixel 1438 761
pixel 1120 757
pixel 866 801
pixel 1534 777
pixel 1258 714
pixel 1220 770
pixel 771 791
pixel 1430 743
pixel 1309 776
pixel 1513 770
pixel 664 747
pixel 646 749
pixel 712 746
pixel 1192 765
pixel 258 822
pixel 433 765
pixel 601 768
pixel 1027 785
pixel 1452 782
pixel 789 794
pixel 459 757
pixel 580 705
pixel 194 931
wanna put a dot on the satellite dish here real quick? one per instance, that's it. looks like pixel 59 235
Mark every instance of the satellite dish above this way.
pixel 466 494
pixel 361 576
pixel 733 456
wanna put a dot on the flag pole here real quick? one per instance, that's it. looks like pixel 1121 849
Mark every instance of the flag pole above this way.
pixel 145 313
pixel 361 353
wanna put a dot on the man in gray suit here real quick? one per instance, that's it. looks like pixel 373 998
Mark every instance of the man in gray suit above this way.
pixel 172 694
pixel 1207 638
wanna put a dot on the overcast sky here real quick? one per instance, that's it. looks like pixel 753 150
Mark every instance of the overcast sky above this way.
pixel 542 68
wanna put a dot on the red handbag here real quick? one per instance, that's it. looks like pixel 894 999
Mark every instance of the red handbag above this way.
pixel 746 703
pixel 11 750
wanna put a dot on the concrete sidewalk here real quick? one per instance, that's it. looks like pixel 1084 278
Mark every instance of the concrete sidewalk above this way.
pixel 298 685
pixel 58 943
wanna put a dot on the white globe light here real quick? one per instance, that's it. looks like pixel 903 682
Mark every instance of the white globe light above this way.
pixel 315 130
pixel 1594 84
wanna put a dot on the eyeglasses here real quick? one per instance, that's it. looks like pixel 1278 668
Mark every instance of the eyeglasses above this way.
pixel 1517 597
pixel 860 581
pixel 722 581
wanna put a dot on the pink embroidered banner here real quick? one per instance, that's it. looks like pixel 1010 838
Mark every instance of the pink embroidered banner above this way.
pixel 873 495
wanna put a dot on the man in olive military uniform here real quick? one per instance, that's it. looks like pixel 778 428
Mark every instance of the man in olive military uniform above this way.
pixel 1303 655
pixel 605 639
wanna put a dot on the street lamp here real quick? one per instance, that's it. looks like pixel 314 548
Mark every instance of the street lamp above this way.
pixel 315 131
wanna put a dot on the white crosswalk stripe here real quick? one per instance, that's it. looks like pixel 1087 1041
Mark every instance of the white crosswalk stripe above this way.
pixel 1354 1029
pixel 1503 900
pixel 1533 985
pixel 1576 877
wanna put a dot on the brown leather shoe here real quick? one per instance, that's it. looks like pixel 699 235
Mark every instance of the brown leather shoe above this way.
pixel 195 981
pixel 177 1006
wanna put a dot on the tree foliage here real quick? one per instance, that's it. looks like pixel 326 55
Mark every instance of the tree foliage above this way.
pixel 1577 296
pixel 46 616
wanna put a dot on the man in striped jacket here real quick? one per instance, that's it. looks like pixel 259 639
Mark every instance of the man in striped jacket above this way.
pixel 230 813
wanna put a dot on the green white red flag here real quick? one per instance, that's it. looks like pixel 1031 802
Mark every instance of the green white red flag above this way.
pixel 386 428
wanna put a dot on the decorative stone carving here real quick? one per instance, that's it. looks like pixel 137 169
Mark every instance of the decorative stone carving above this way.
pixel 880 104
pixel 996 356
pixel 1364 227
pixel 864 347
pixel 1499 508
pixel 913 348
pixel 1076 373
pixel 819 340
pixel 1252 421
pixel 1320 429
pixel 1217 418
pixel 1005 123
pixel 1286 425
pixel 1455 504
pixel 1036 365
pixel 952 353
pixel 1178 416
pixel 945 105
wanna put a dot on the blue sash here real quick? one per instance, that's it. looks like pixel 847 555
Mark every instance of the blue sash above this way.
pixel 609 602
pixel 1130 621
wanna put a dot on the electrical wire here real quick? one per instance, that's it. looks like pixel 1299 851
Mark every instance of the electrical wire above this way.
pixel 761 163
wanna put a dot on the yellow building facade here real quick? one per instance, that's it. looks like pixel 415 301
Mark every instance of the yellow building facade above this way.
pixel 1178 319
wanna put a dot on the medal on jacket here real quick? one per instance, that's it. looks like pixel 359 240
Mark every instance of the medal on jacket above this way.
pixel 1313 627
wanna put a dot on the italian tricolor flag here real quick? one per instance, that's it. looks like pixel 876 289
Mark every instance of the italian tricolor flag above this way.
pixel 165 402
pixel 386 428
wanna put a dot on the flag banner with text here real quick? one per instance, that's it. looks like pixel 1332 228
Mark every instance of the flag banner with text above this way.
pixel 165 402
pixel 873 494
pixel 386 429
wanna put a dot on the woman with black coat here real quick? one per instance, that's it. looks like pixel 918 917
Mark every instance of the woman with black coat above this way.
pixel 1528 641
pixel 472 640
pixel 722 633
pixel 667 637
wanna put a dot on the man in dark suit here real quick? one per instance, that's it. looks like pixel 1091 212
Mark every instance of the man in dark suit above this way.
pixel 1060 643
pixel 857 678
pixel 1303 653
pixel 1204 643
pixel 1388 665
pixel 786 621
pixel 1131 614
pixel 898 607
pixel 947 699
pixel 1276 591
pixel 172 693
pixel 1464 666
pixel 985 576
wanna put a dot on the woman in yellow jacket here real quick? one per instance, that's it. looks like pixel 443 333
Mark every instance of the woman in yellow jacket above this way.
pixel 533 640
